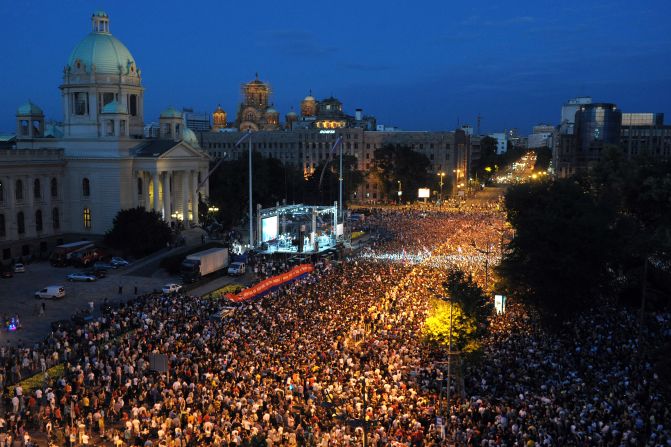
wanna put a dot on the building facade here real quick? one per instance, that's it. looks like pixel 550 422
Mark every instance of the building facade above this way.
pixel 305 149
pixel 69 181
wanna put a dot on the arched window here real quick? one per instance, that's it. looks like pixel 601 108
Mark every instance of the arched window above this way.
pixel 139 186
pixel 20 223
pixel 38 220
pixel 54 187
pixel 37 190
pixel 86 214
pixel 55 219
pixel 3 229
pixel 19 190
pixel 86 187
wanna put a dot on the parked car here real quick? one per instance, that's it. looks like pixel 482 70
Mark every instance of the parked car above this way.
pixel 171 288
pixel 103 266
pixel 8 273
pixel 19 268
pixel 51 292
pixel 118 262
pixel 80 277
pixel 98 273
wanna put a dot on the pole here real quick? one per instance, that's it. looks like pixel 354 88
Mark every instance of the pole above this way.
pixel 251 211
pixel 449 374
pixel 363 412
pixel 340 184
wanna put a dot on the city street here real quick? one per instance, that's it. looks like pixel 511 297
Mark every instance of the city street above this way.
pixel 17 296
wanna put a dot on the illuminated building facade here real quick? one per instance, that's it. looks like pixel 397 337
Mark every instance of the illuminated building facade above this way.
pixel 306 148
pixel 255 113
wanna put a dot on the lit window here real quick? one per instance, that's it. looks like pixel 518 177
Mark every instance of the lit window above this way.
pixel 87 218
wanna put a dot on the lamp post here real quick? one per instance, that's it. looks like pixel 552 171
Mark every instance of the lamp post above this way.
pixel 441 174
pixel 400 192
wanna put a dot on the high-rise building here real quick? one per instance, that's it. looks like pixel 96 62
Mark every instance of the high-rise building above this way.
pixel 597 125
pixel 645 133
pixel 196 121
pixel 568 112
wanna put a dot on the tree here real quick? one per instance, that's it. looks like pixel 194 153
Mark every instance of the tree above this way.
pixel 471 297
pixel 436 329
pixel 324 189
pixel 560 256
pixel 273 182
pixel 138 232
pixel 392 164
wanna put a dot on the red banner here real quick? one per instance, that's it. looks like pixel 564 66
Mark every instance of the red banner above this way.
pixel 271 283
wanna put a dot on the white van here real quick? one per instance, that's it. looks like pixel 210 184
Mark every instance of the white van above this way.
pixel 51 292
pixel 236 269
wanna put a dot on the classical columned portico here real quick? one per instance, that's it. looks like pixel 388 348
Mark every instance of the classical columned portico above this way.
pixel 185 195
pixel 155 189
pixel 194 196
pixel 167 196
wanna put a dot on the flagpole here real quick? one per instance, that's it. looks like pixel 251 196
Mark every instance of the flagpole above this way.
pixel 340 185
pixel 251 211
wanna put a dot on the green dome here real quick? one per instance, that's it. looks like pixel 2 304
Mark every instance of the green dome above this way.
pixel 104 51
pixel 189 136
pixel 114 107
pixel 29 109
pixel 171 112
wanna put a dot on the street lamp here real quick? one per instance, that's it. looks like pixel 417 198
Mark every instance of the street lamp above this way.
pixel 400 192
pixel 441 175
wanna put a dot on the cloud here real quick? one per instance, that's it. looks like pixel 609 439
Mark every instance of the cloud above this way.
pixel 296 43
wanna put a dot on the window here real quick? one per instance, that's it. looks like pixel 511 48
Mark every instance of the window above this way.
pixel 54 187
pixel 133 105
pixel 55 219
pixel 37 128
pixel 24 127
pixel 37 192
pixel 3 228
pixel 139 186
pixel 122 128
pixel 86 187
pixel 6 253
pixel 19 190
pixel 87 218
pixel 21 223
pixel 109 128
pixel 38 220
pixel 80 103
pixel 2 192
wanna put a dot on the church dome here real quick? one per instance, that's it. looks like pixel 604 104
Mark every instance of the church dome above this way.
pixel 189 137
pixel 171 112
pixel 271 111
pixel 29 109
pixel 309 98
pixel 292 113
pixel 102 50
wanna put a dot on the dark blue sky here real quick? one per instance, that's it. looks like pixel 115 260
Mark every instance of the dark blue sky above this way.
pixel 414 64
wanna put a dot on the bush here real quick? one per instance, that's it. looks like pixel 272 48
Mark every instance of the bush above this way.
pixel 138 232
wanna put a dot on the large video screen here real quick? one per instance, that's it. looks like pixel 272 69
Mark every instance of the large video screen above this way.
pixel 423 193
pixel 269 228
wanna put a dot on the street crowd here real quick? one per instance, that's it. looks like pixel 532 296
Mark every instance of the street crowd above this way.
pixel 336 359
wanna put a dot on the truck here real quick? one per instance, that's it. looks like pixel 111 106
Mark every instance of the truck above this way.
pixel 206 262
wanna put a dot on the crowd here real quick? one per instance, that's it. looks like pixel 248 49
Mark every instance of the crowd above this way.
pixel 336 359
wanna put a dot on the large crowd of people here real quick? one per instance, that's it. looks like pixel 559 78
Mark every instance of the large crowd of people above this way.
pixel 336 359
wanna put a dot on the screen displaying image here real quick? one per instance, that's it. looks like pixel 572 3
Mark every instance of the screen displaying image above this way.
pixel 269 228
